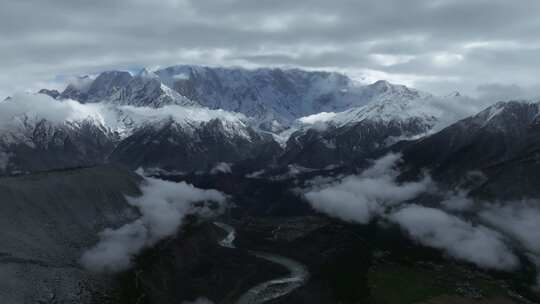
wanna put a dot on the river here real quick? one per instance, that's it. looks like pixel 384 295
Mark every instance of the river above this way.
pixel 273 289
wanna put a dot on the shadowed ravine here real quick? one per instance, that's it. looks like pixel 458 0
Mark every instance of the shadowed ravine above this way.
pixel 272 289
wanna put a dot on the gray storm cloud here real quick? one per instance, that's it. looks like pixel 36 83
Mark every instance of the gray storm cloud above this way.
pixel 438 45
pixel 163 206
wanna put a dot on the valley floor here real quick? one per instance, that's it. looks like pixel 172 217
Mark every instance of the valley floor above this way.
pixel 347 263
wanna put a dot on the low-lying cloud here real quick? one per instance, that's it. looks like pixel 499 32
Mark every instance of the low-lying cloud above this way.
pixel 181 113
pixel 491 237
pixel 163 207
pixel 40 106
pixel 458 200
pixel 459 238
pixel 200 300
pixel 359 198
pixel 221 168
pixel 521 221
pixel 451 109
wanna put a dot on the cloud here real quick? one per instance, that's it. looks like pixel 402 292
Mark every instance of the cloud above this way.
pixel 163 206
pixel 37 107
pixel 221 168
pixel 460 239
pixel 40 106
pixel 451 108
pixel 503 92
pixel 200 300
pixel 359 198
pixel 521 221
pixel 376 193
pixel 181 113
pixel 458 200
pixel 418 42
pixel 317 118
pixel 81 83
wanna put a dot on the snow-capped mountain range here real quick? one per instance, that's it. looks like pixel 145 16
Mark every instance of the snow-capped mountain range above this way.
pixel 274 98
pixel 504 136
pixel 40 133
pixel 199 116
pixel 121 88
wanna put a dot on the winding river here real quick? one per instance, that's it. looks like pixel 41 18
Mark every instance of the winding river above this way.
pixel 273 289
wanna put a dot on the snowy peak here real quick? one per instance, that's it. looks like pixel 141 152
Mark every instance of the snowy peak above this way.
pixel 503 137
pixel 121 88
pixel 387 110
pixel 272 96
pixel 144 73
pixel 327 138
pixel 187 118
pixel 108 83
pixel 39 144
pixel 189 139
pixel 41 133
pixel 383 90
pixel 508 115
pixel 389 103
pixel 146 91
pixel 381 85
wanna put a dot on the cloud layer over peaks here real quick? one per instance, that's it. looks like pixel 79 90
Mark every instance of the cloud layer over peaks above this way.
pixel 438 46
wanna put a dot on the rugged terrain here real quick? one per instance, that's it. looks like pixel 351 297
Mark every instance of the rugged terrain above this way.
pixel 48 220
pixel 265 139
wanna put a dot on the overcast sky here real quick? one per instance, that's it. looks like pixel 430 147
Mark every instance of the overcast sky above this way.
pixel 473 46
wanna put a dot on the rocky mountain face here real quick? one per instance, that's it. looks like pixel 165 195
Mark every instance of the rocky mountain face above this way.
pixel 51 218
pixel 339 145
pixel 107 84
pixel 185 139
pixel 276 97
pixel 273 96
pixel 336 138
pixel 503 142
pixel 173 145
pixel 38 144
pixel 137 125
pixel 320 119
pixel 272 99
pixel 52 93
pixel 281 131
pixel 146 90
pixel 121 88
